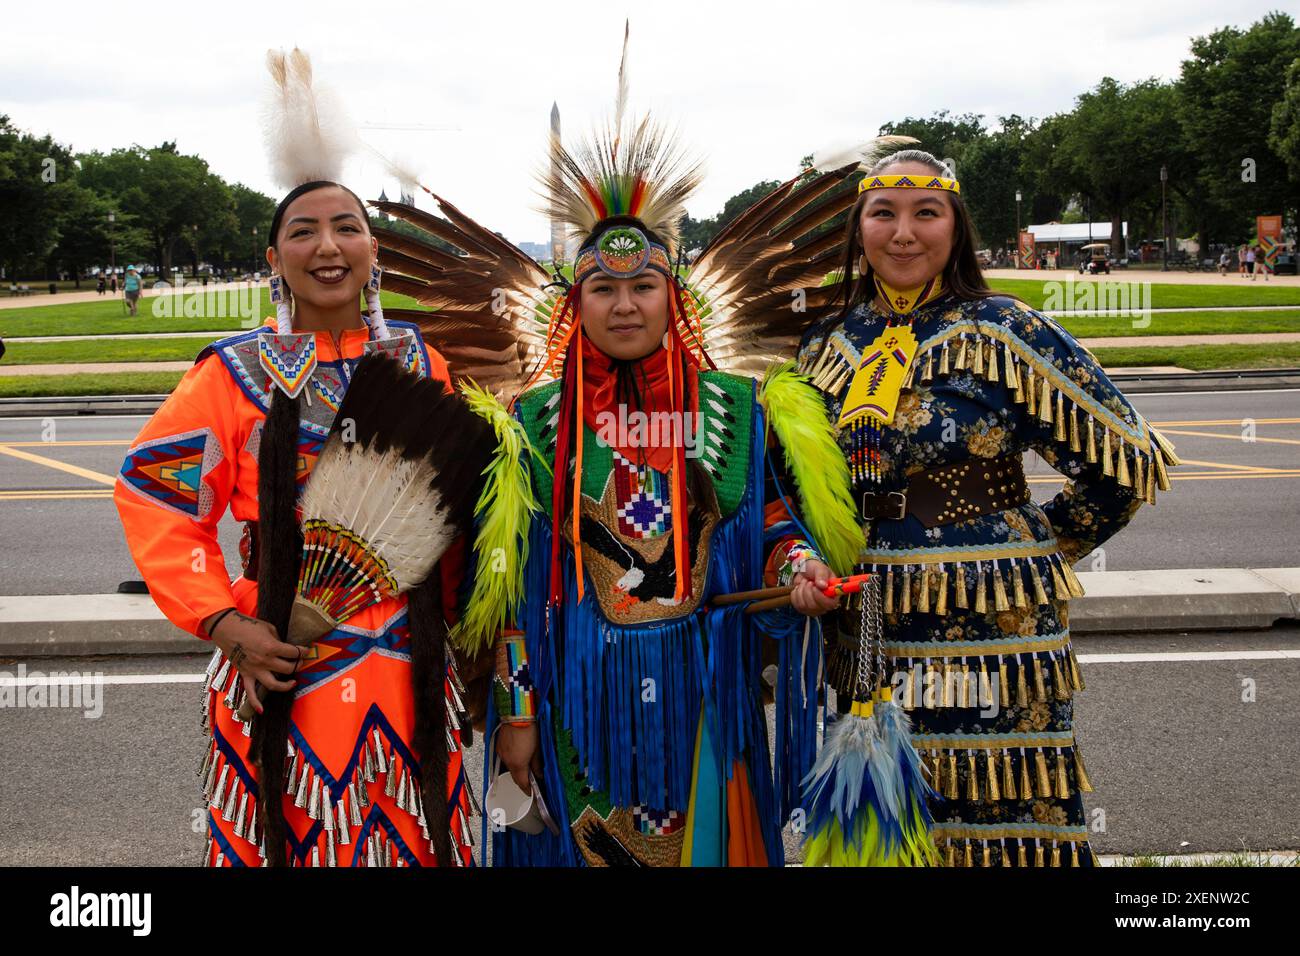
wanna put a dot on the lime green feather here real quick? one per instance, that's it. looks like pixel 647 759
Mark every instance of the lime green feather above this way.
pixel 503 512
pixel 796 411
pixel 828 846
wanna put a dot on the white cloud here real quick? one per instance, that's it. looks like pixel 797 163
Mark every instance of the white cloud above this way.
pixel 752 88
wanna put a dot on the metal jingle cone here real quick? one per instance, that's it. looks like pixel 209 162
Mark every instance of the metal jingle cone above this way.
pixel 390 784
pixel 291 784
pixel 381 760
pixel 327 810
pixel 300 797
pixel 341 824
pixel 313 803
pixel 401 798
pixel 218 798
pixel 241 821
pixel 331 855
pixel 354 803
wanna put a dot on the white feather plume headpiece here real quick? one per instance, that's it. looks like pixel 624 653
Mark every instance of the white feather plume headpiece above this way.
pixel 307 132
pixel 631 167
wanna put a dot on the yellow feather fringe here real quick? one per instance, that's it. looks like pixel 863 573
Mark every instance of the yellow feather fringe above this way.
pixel 504 511
pixel 797 413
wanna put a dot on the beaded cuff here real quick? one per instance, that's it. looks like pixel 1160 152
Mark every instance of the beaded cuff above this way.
pixel 512 685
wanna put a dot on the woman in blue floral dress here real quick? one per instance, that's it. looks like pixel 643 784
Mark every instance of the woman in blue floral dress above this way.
pixel 975 576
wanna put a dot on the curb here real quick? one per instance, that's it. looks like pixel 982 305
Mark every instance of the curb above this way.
pixel 1135 383
pixel 1118 602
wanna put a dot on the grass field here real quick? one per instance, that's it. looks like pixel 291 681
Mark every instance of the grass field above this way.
pixel 1034 292
pixel 105 350
pixel 118 383
pixel 1202 357
pixel 1186 323
pixel 107 317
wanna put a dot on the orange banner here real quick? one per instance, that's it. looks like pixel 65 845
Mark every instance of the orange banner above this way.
pixel 1027 260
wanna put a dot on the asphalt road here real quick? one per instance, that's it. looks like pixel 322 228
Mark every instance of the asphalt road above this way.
pixel 1233 505
pixel 1180 762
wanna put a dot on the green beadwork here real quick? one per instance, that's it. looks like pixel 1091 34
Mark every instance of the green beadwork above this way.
pixel 728 467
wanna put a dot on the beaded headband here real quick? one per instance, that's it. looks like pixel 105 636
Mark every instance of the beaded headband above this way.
pixel 621 252
pixel 905 181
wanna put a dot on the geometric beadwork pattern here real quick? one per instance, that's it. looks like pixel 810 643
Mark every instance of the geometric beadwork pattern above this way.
pixel 288 359
pixel 657 822
pixel 642 497
pixel 170 471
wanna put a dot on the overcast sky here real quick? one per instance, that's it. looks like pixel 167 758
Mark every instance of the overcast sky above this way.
pixel 752 87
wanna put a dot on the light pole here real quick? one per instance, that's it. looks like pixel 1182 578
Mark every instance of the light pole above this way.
pixel 112 250
pixel 253 267
pixel 1164 221
pixel 1017 228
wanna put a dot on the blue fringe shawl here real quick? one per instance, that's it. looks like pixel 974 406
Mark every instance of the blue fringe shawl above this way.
pixel 637 690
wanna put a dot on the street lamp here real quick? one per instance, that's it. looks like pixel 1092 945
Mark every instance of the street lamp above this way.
pixel 1164 221
pixel 112 250
pixel 1017 228
pixel 253 232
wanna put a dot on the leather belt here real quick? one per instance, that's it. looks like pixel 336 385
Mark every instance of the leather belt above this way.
pixel 951 493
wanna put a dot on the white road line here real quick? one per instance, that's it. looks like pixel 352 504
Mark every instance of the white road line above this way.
pixel 1137 658
pixel 1138 396
pixel 1174 657
pixel 84 679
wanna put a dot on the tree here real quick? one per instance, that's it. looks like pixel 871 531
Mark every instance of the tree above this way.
pixel 167 194
pixel 1284 133
pixel 990 177
pixel 944 136
pixel 1229 89
pixel 1114 144
pixel 31 169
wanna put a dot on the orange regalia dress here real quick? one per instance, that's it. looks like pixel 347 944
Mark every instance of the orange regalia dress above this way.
pixel 352 772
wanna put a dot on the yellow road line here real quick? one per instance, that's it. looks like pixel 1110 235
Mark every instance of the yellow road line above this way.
pixel 58 465
pixel 65 496
pixel 63 444
pixel 1237 437
pixel 1230 421
pixel 1228 465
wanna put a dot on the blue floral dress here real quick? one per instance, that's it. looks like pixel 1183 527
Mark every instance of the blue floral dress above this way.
pixel 976 627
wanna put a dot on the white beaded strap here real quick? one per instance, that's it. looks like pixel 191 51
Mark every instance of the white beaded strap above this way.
pixel 377 324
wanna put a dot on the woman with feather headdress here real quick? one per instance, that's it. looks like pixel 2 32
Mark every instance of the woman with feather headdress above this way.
pixel 643 471
pixel 938 387
pixel 353 732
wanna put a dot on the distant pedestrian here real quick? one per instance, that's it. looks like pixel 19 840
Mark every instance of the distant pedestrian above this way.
pixel 1250 262
pixel 1241 260
pixel 101 284
pixel 1223 263
pixel 131 286
pixel 112 284
pixel 1261 266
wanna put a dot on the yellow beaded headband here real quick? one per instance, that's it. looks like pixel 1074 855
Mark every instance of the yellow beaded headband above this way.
pixel 910 182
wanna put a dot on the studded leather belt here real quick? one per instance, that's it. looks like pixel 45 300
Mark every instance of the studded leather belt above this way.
pixel 952 493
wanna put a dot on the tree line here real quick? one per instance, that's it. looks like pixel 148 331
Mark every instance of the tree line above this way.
pixel 1226 131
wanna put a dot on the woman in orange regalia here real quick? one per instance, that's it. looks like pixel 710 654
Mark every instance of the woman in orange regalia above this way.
pixel 362 744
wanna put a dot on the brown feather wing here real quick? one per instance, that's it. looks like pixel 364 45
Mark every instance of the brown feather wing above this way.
pixel 487 300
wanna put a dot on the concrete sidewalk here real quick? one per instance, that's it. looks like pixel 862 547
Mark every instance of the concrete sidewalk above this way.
pixel 75 625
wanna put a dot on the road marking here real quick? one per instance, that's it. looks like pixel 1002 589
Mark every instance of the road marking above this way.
pixel 54 495
pixel 1136 658
pixel 1228 421
pixel 1284 654
pixel 81 680
pixel 86 442
pixel 1237 437
pixel 58 465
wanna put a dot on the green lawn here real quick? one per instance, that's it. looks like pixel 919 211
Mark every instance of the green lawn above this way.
pixel 105 350
pixel 1163 295
pixel 117 383
pixel 1202 357
pixel 108 316
pixel 1186 323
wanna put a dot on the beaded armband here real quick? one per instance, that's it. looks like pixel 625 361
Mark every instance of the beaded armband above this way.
pixel 790 558
pixel 512 685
